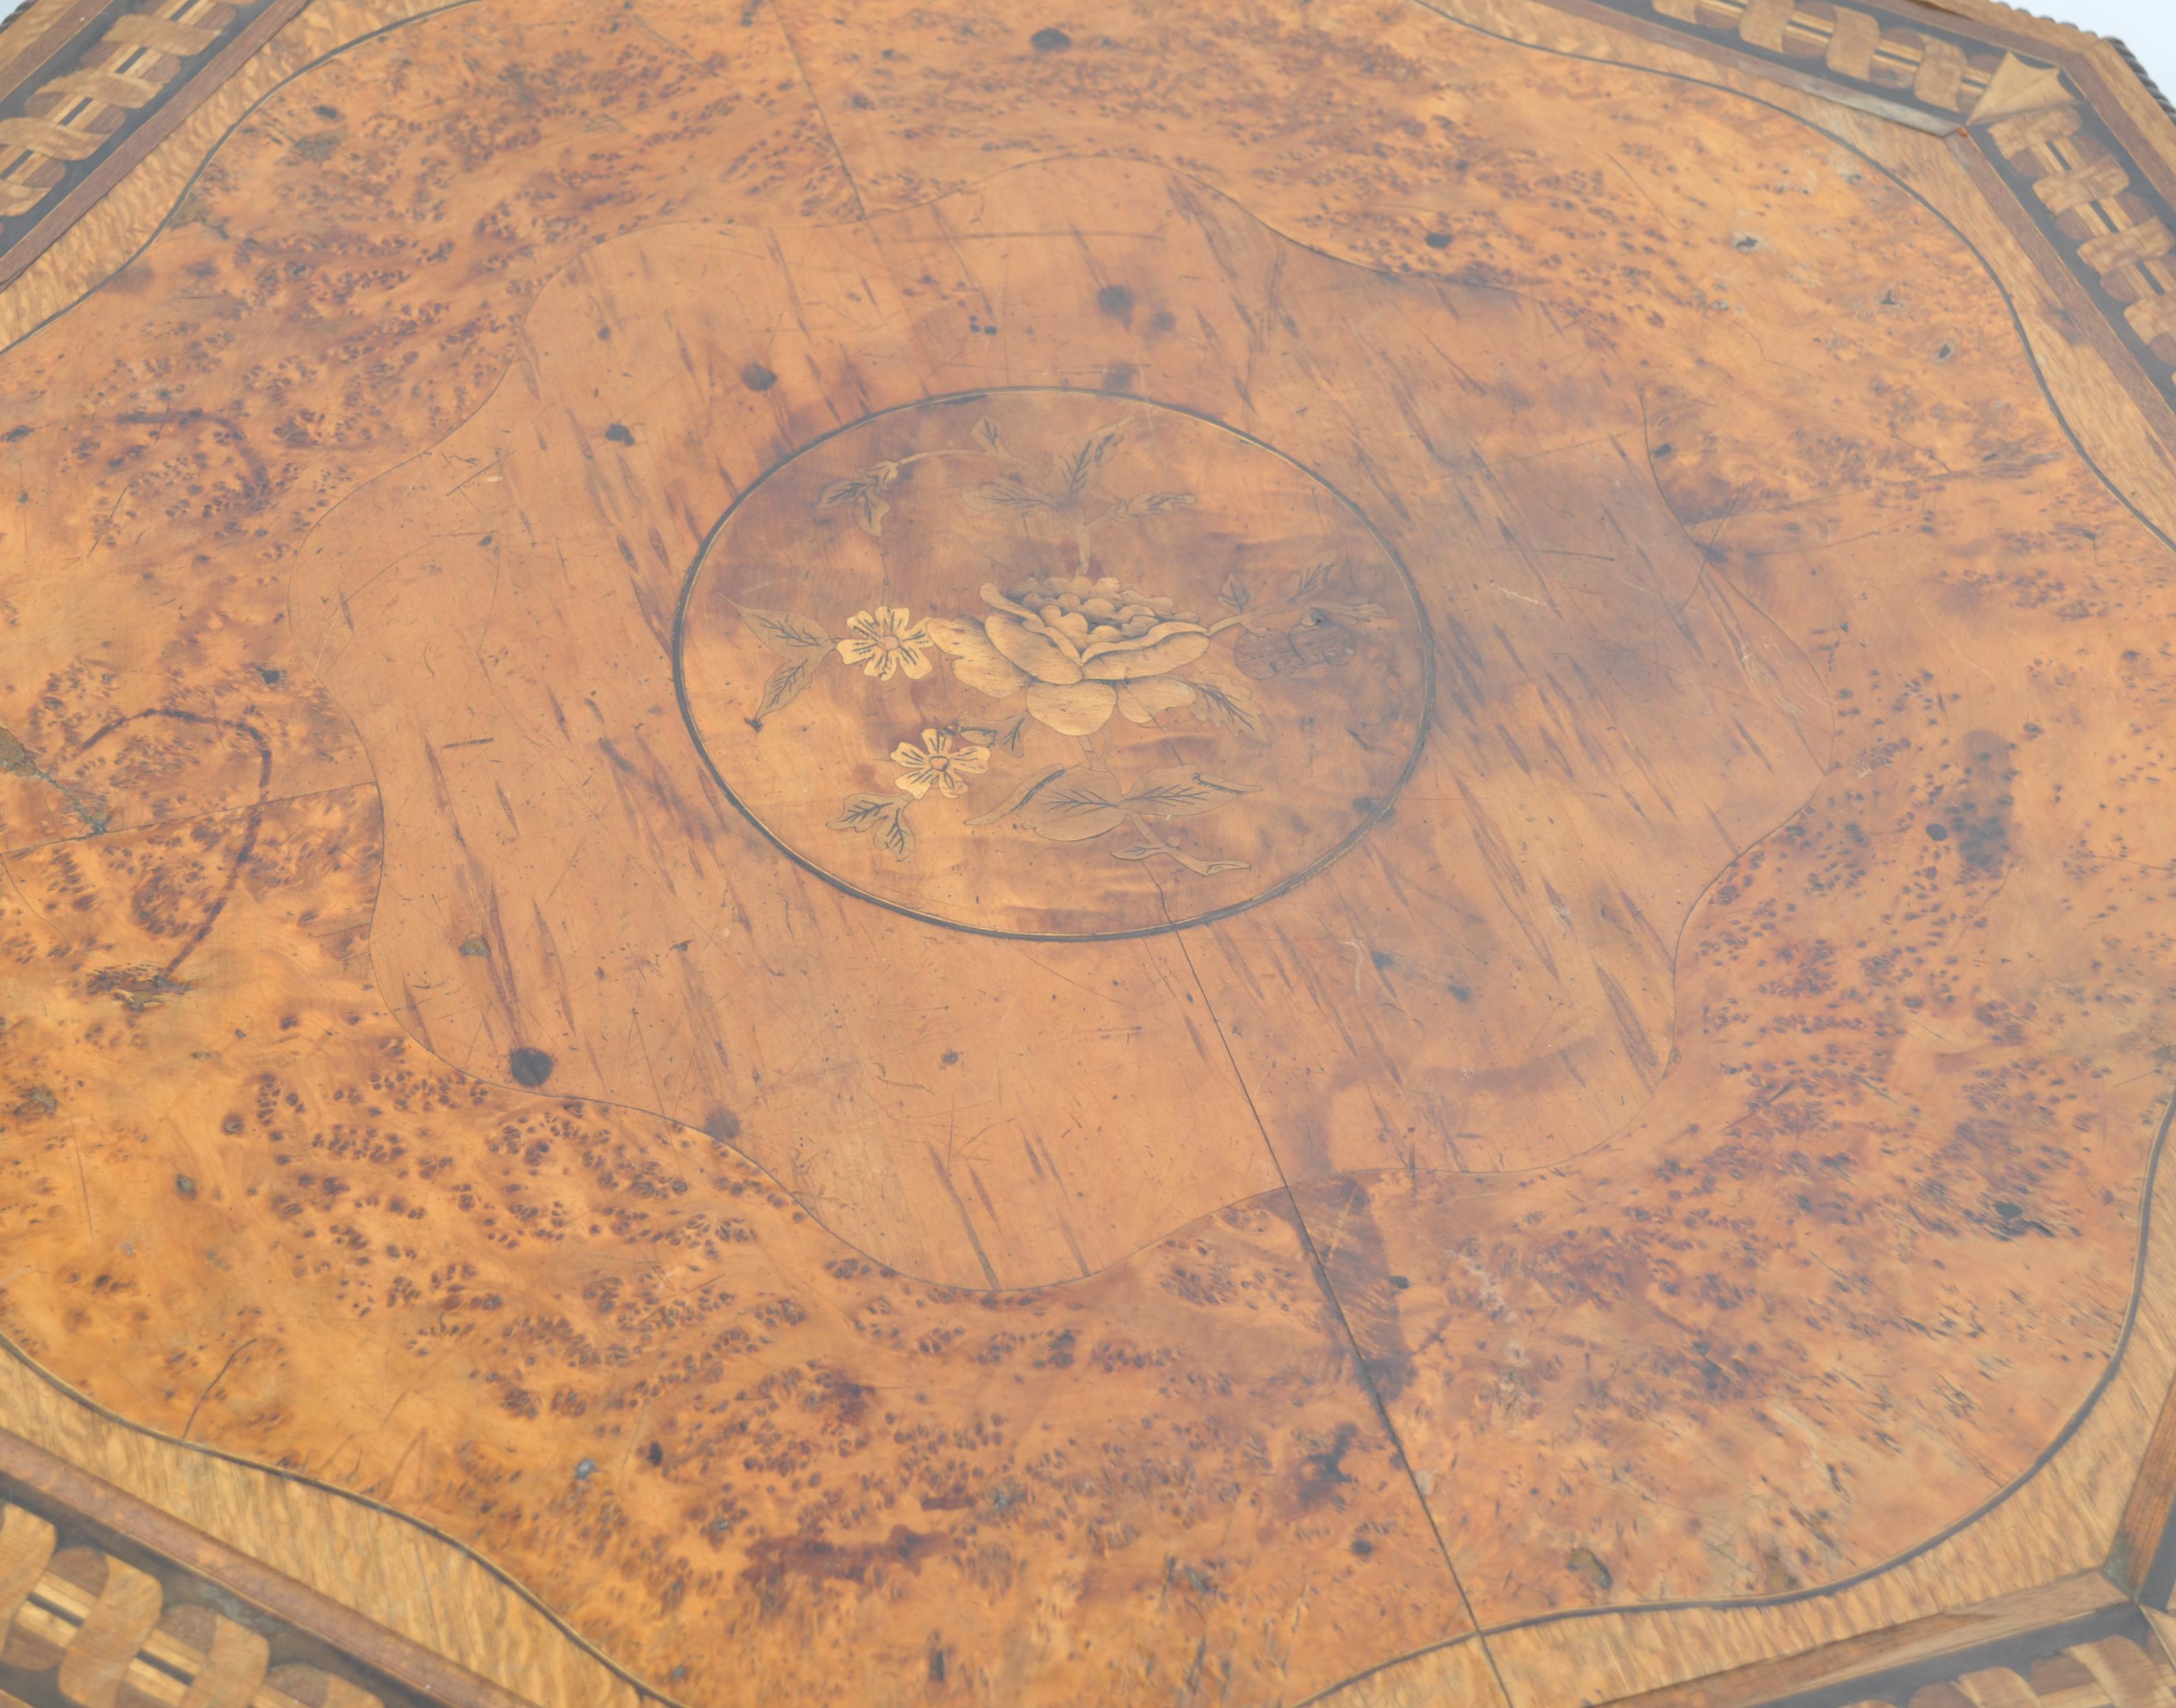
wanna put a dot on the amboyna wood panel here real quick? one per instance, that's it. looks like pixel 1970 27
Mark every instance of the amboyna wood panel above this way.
pixel 1150 855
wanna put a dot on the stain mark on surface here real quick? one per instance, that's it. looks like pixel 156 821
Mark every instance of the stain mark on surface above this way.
pixel 530 1067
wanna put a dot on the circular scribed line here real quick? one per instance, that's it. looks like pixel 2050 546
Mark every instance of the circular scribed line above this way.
pixel 1053 664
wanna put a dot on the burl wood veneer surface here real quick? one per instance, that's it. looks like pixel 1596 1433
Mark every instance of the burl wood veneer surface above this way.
pixel 1072 864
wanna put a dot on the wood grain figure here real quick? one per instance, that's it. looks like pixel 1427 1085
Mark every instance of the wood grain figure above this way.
pixel 1241 853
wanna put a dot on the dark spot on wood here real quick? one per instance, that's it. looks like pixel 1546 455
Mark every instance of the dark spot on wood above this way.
pixel 757 378
pixel 185 1186
pixel 272 677
pixel 1663 453
pixel 1116 302
pixel 774 1559
pixel 1945 352
pixel 328 112
pixel 722 1125
pixel 1163 320
pixel 1360 1272
pixel 1399 1283
pixel 1363 1547
pixel 657 1453
pixel 937 1666
pixel 17 432
pixel 530 1067
pixel 949 1058
pixel 1746 244
pixel 1941 833
pixel 1438 240
pixel 619 435
pixel 1980 803
pixel 1322 1474
pixel 584 1469
pixel 1316 643
pixel 1052 40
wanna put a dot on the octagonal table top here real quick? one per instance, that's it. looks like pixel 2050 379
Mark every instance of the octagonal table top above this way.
pixel 1245 851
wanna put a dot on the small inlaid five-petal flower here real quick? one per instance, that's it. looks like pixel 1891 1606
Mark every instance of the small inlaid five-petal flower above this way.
pixel 884 643
pixel 942 763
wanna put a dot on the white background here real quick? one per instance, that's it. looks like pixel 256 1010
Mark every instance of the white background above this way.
pixel 2147 27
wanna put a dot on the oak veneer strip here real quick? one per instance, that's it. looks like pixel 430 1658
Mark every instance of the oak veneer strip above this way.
pixel 2089 1596
pixel 2049 34
pixel 385 1652
pixel 156 125
pixel 2137 1561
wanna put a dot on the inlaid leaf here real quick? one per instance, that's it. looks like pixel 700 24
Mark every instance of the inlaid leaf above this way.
pixel 1203 868
pixel 860 811
pixel 1309 582
pixel 786 633
pixel 1020 796
pixel 1076 469
pixel 1236 593
pixel 859 492
pixel 882 817
pixel 787 682
pixel 1006 735
pixel 1179 792
pixel 986 435
pixel 1149 504
pixel 1006 494
pixel 893 835
pixel 1080 806
pixel 1225 704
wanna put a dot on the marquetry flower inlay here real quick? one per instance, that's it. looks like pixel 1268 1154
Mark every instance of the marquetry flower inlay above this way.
pixel 884 641
pixel 1087 694
pixel 942 762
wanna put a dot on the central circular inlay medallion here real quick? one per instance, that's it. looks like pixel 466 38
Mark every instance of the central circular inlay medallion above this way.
pixel 1053 664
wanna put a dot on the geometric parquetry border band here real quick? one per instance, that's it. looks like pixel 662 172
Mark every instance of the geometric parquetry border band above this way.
pixel 102 84
pixel 105 1602
pixel 87 1608
pixel 2100 209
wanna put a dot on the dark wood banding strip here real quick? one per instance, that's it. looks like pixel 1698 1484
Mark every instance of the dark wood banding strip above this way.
pixel 42 1482
pixel 143 130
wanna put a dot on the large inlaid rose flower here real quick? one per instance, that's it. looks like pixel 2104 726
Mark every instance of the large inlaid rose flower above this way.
pixel 1080 649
